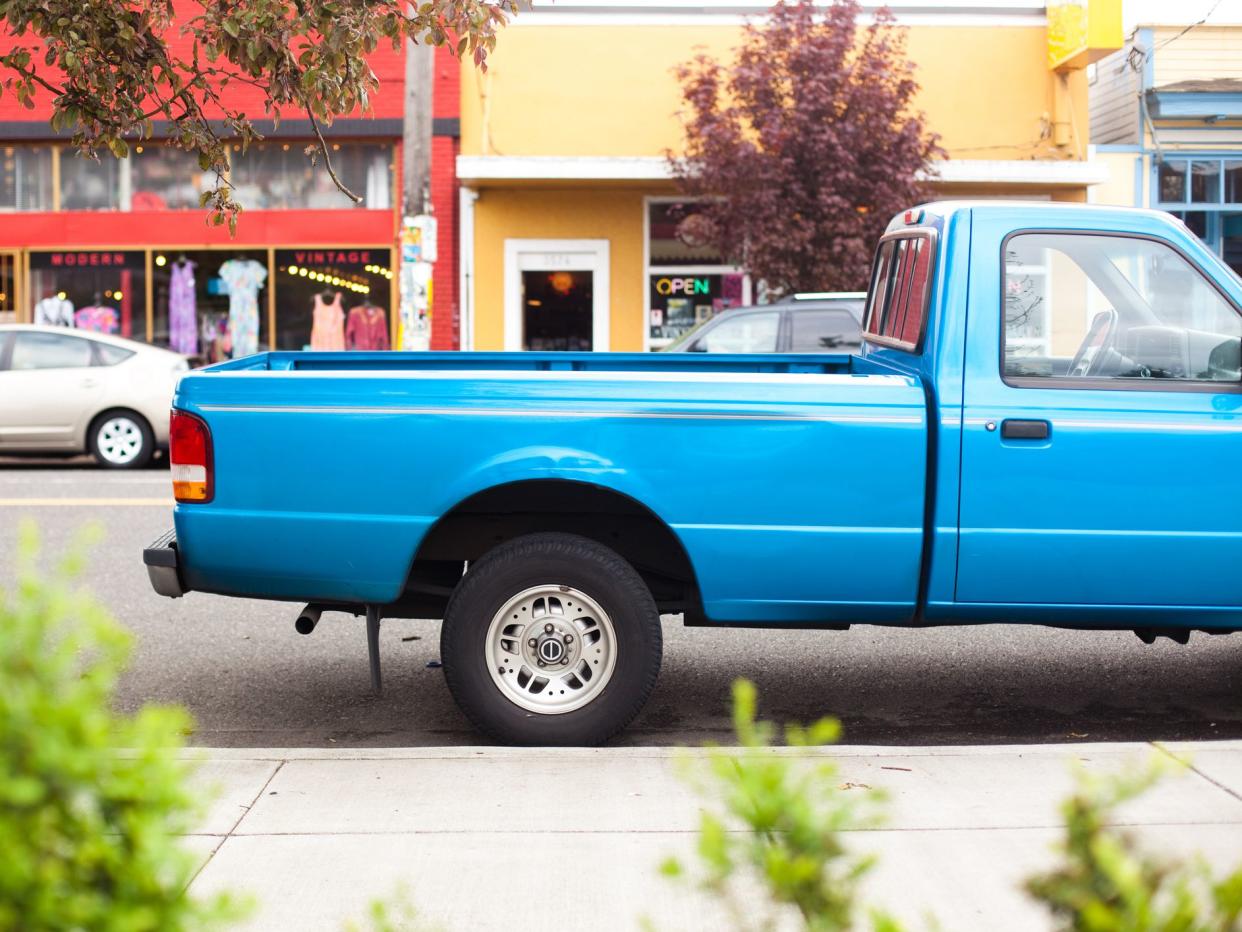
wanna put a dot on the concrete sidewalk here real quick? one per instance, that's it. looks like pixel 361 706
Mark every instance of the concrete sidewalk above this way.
pixel 518 839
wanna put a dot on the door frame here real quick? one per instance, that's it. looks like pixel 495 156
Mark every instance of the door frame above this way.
pixel 555 255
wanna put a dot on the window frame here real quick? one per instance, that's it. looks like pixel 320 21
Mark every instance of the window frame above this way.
pixel 932 247
pixel 1064 383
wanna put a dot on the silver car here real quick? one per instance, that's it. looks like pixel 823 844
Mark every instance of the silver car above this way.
pixel 72 391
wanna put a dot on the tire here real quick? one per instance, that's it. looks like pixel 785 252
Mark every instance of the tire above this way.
pixel 121 439
pixel 600 612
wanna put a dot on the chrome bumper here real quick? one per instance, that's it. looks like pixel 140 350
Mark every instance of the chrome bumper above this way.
pixel 161 560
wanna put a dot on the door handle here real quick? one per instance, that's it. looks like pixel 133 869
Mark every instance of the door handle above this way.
pixel 1018 429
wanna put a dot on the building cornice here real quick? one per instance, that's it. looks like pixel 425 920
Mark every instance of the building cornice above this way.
pixel 473 169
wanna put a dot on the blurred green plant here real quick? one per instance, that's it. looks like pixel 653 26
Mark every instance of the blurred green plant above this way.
pixel 91 802
pixel 395 914
pixel 793 811
pixel 1108 881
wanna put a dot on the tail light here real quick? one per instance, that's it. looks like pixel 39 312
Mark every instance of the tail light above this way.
pixel 189 454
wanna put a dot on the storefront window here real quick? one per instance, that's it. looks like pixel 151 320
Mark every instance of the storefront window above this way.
pixel 165 178
pixel 26 178
pixel 1233 182
pixel 687 280
pixel 193 292
pixel 90 184
pixel 101 291
pixel 672 239
pixel 273 176
pixel 358 280
pixel 1205 182
pixel 1172 182
pixel 679 301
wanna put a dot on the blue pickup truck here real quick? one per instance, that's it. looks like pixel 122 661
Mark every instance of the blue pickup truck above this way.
pixel 1042 426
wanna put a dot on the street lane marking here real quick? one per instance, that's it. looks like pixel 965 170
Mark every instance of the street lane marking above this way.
pixel 81 502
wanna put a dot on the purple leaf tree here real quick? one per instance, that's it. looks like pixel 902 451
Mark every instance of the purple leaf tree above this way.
pixel 802 148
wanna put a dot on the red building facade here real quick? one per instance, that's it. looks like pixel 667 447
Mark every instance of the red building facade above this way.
pixel 121 233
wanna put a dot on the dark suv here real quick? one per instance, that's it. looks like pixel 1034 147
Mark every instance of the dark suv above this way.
pixel 828 322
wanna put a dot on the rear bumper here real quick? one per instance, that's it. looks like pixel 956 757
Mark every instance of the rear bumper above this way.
pixel 161 559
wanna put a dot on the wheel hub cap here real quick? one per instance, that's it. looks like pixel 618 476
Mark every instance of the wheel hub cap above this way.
pixel 120 440
pixel 551 649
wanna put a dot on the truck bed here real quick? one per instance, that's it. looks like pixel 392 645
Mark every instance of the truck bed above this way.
pixel 775 473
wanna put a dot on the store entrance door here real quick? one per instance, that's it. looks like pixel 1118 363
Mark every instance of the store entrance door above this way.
pixel 556 294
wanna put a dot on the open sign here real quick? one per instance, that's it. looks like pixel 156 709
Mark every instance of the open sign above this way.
pixel 686 286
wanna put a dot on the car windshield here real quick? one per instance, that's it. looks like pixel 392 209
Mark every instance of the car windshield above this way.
pixel 679 344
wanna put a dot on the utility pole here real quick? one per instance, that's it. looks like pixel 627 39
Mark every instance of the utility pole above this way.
pixel 416 164
pixel 416 254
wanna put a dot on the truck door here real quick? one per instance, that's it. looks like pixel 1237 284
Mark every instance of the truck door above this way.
pixel 1102 434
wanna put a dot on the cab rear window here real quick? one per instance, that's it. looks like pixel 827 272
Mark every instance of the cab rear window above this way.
pixel 900 291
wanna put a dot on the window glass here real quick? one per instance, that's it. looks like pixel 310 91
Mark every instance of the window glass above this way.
pixel 275 176
pixel 1173 181
pixel 1113 307
pixel 745 333
pixel 363 277
pixel 166 178
pixel 34 350
pixel 1205 182
pixel 674 236
pixel 26 178
pixel 899 289
pixel 1233 182
pixel 89 184
pixel 103 291
pixel 110 355
pixel 192 300
pixel 823 332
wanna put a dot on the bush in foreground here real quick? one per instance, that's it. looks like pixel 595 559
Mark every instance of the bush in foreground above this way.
pixel 793 812
pixel 1109 881
pixel 88 831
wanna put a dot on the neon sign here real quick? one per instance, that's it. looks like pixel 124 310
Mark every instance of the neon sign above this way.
pixel 687 286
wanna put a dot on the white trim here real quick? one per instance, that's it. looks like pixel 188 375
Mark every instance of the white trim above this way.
pixel 578 255
pixel 655 168
pixel 562 168
pixel 465 264
pixel 622 17
pixel 739 12
pixel 1017 171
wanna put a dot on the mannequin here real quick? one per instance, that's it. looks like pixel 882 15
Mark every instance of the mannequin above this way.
pixel 53 310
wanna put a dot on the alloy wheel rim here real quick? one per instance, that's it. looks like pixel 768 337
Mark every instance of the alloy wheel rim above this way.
pixel 119 440
pixel 551 649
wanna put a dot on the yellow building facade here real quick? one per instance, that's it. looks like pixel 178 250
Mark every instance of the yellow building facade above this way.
pixel 566 234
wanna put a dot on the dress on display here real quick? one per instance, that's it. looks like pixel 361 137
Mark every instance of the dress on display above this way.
pixel 367 328
pixel 183 309
pixel 244 277
pixel 98 318
pixel 328 329
pixel 54 312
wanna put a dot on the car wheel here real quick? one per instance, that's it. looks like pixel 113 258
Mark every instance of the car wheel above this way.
pixel 121 440
pixel 551 639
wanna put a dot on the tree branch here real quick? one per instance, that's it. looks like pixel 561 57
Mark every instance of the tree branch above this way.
pixel 327 159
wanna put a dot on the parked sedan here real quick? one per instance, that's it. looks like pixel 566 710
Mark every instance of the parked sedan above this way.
pixel 828 322
pixel 70 391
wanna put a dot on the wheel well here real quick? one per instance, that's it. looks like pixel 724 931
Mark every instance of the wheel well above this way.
pixel 504 512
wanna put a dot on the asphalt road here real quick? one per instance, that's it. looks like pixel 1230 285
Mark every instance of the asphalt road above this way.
pixel 251 681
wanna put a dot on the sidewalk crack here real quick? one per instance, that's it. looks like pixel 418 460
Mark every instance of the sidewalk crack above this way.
pixel 1189 764
pixel 233 828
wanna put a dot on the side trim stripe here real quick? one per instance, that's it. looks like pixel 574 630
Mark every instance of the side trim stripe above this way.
pixel 545 413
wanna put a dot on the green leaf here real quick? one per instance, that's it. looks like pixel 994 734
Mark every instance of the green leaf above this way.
pixel 230 26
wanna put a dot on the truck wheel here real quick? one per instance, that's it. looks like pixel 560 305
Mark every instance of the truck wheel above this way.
pixel 551 639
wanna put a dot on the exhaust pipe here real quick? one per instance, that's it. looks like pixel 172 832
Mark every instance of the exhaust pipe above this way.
pixel 307 618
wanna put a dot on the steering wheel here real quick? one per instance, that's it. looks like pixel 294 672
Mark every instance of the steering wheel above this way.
pixel 1099 336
